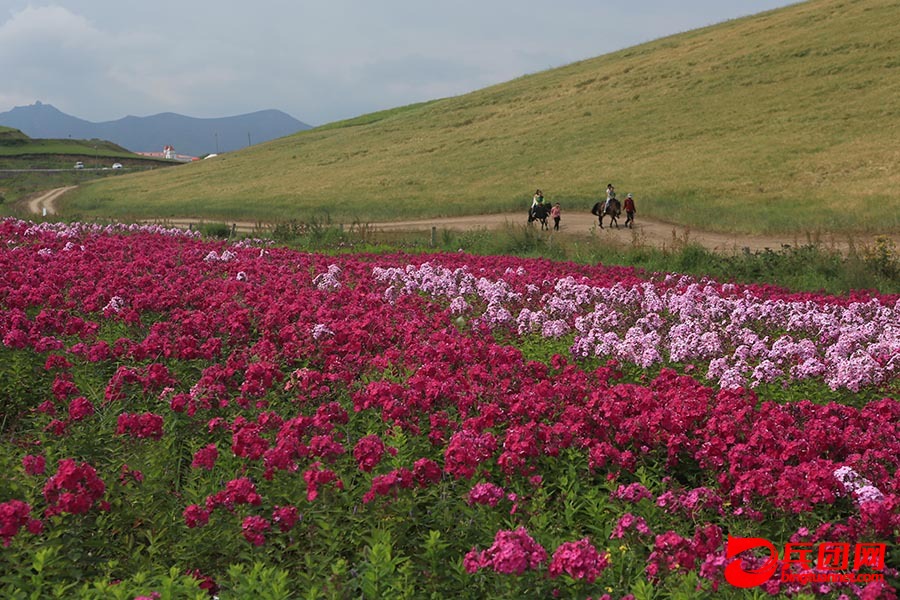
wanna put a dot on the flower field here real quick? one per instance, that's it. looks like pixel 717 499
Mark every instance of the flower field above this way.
pixel 184 418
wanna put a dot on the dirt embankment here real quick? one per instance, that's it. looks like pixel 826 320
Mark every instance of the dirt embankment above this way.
pixel 646 232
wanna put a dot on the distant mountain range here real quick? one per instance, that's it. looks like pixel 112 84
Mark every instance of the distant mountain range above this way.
pixel 188 135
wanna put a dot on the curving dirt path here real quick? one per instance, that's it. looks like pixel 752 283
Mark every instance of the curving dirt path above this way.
pixel 44 203
pixel 583 226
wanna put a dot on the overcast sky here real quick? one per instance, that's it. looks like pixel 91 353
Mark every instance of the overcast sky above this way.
pixel 318 61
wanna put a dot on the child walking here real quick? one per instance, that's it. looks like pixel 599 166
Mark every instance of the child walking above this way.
pixel 555 213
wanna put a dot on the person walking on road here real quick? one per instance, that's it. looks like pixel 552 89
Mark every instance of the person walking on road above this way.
pixel 629 211
pixel 555 213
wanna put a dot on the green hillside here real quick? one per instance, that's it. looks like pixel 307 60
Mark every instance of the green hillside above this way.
pixel 14 143
pixel 10 136
pixel 783 121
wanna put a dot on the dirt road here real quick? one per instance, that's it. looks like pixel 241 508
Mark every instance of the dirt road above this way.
pixel 44 203
pixel 581 225
pixel 645 232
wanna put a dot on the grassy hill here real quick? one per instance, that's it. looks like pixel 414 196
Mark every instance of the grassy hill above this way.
pixel 14 143
pixel 10 136
pixel 783 121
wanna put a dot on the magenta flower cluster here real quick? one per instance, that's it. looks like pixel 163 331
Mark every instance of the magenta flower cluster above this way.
pixel 368 381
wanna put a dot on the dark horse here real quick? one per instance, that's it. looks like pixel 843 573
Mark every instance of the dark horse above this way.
pixel 539 213
pixel 613 210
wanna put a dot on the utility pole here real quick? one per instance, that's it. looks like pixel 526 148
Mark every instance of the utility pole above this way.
pixel 248 140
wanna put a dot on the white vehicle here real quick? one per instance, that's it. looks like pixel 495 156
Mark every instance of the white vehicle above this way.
pixel 79 165
pixel 117 165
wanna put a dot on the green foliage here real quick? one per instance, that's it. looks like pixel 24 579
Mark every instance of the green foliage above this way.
pixel 384 575
pixel 22 385
pixel 216 230
pixel 170 585
pixel 536 347
pixel 882 258
pixel 317 233
pixel 35 580
pixel 260 581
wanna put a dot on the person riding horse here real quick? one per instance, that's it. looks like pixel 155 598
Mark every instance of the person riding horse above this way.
pixel 539 212
pixel 611 207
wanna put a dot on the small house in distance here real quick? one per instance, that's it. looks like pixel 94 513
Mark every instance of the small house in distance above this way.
pixel 168 153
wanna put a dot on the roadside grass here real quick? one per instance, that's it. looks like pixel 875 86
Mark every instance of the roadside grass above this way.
pixel 779 122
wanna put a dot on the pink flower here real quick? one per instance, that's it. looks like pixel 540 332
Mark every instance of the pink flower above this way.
pixel 80 408
pixel 466 451
pixel 579 560
pixel 368 452
pixel 426 472
pixel 285 517
pixel 632 493
pixel 34 464
pixel 254 528
pixel 629 521
pixel 14 514
pixel 73 489
pixel 472 561
pixel 205 458
pixel 140 426
pixel 382 485
pixel 325 446
pixel 195 516
pixel 247 442
pixel 486 493
pixel 513 552
pixel 237 491
pixel 315 476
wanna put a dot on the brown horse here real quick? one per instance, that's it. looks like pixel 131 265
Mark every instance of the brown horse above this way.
pixel 614 209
